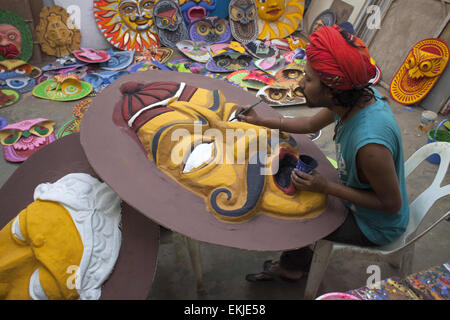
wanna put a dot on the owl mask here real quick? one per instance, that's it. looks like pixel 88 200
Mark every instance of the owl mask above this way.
pixel 243 24
pixel 211 30
pixel 420 71
pixel 20 140
pixel 229 61
pixel 170 24
pixel 282 94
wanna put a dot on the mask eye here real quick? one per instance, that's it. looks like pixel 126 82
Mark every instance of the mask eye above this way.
pixel 220 28
pixel 425 66
pixel 203 29
pixel 10 138
pixel 277 94
pixel 251 13
pixel 223 62
pixel 292 74
pixel 298 92
pixel 243 62
pixel 411 63
pixel 165 21
pixel 40 130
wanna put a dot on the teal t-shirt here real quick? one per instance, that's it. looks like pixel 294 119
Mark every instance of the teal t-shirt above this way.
pixel 373 124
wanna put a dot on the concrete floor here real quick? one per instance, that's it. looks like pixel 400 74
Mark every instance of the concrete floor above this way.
pixel 224 268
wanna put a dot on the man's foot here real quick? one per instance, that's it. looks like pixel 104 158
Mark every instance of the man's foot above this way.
pixel 272 271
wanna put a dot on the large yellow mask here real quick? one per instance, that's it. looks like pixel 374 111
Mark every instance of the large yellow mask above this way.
pixel 279 18
pixel 239 169
pixel 64 244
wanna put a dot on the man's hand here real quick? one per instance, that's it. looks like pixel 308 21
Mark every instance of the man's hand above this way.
pixel 309 182
pixel 250 117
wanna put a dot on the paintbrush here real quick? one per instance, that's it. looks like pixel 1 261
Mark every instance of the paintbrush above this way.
pixel 244 111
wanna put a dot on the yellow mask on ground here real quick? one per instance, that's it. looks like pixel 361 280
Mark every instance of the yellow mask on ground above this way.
pixel 42 237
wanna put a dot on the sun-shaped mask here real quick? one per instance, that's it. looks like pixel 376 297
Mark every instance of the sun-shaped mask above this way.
pixel 211 30
pixel 127 24
pixel 20 140
pixel 279 18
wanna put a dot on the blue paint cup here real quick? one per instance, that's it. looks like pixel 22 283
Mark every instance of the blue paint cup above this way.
pixel 306 163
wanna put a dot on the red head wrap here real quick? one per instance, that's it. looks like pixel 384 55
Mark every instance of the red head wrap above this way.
pixel 339 64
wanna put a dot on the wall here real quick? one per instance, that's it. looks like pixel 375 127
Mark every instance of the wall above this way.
pixel 91 37
pixel 406 23
pixel 317 6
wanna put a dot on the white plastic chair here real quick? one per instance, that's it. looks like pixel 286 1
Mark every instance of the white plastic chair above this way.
pixel 400 253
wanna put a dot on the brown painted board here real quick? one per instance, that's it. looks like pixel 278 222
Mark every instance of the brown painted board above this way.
pixel 134 271
pixel 119 159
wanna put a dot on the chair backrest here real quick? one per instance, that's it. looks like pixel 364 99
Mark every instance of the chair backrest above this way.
pixel 422 204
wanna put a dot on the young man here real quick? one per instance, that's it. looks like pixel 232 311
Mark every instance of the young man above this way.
pixel 368 147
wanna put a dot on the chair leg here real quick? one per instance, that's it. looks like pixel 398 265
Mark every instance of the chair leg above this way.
pixel 406 264
pixel 321 258
pixel 196 260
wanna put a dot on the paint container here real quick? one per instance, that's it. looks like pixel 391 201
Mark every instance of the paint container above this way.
pixel 306 163
pixel 337 296
pixel 426 123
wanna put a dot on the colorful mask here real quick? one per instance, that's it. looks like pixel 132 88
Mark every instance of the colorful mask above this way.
pixel 261 49
pixel 229 61
pixel 55 32
pixel 278 18
pixel 282 94
pixel 16 40
pixel 420 71
pixel 196 9
pixel 197 51
pixel 180 128
pixel 297 54
pixel 186 65
pixel 8 97
pixel 16 81
pixel 258 79
pixel 251 79
pixel 119 60
pixel 80 72
pixel 100 81
pixel 159 54
pixel 170 23
pixel 63 88
pixel 91 55
pixel 20 67
pixel 243 14
pixel 211 30
pixel 141 66
pixel 293 72
pixel 64 244
pixel 271 65
pixel 127 24
pixel 20 140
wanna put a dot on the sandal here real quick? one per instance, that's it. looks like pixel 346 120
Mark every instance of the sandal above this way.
pixel 268 275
